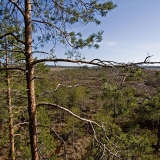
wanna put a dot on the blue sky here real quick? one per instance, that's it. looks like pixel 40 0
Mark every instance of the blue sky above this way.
pixel 131 32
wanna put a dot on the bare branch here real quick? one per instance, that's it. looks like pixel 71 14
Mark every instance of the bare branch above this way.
pixel 21 124
pixel 71 61
pixel 66 86
pixel 17 135
pixel 147 58
pixel 42 52
pixel 101 63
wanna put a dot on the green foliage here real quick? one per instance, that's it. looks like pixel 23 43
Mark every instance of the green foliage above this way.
pixel 22 146
pixel 136 73
pixel 76 96
pixel 124 118
pixel 118 102
pixel 73 125
pixel 46 142
pixel 133 143
pixel 70 12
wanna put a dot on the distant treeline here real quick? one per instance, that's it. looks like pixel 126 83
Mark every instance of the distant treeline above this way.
pixel 85 66
pixel 150 66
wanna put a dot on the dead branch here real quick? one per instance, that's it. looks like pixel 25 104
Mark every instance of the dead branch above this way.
pixel 20 124
pixel 100 63
pixel 66 86
pixel 147 59
pixel 56 89
pixel 17 135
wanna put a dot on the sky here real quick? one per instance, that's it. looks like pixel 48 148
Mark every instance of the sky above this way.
pixel 131 32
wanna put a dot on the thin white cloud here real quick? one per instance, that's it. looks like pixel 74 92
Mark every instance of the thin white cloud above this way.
pixel 111 43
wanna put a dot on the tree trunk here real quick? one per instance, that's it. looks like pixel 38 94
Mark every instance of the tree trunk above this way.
pixel 11 130
pixel 115 113
pixel 158 137
pixel 30 82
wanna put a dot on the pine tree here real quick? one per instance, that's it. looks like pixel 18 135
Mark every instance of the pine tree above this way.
pixel 51 19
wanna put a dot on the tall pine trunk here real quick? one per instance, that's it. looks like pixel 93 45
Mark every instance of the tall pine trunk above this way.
pixel 30 82
pixel 158 136
pixel 11 129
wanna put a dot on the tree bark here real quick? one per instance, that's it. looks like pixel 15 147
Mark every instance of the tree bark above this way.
pixel 30 82
pixel 158 136
pixel 11 130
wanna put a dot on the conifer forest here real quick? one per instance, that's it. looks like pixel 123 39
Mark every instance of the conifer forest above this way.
pixel 96 110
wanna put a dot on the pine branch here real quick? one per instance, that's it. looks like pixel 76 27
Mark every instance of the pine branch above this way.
pixel 11 34
pixel 16 5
